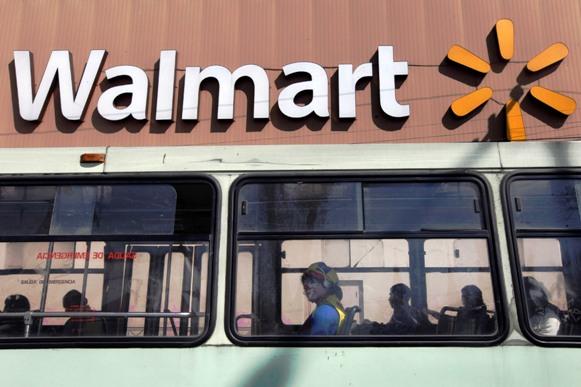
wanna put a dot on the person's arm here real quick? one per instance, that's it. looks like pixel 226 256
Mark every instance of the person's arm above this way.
pixel 432 313
pixel 551 326
pixel 325 321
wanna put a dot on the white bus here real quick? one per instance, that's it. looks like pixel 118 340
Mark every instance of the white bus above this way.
pixel 183 265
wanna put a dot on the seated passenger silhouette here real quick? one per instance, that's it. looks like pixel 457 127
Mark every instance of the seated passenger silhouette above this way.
pixel 404 320
pixel 544 318
pixel 73 301
pixel 321 286
pixel 472 317
pixel 14 326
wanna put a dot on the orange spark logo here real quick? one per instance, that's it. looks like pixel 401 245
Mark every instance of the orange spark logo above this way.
pixel 515 128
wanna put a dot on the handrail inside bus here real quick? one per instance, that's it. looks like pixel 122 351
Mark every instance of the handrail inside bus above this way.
pixel 102 314
pixel 28 316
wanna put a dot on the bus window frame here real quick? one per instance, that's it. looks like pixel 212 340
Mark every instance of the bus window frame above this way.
pixel 511 234
pixel 128 179
pixel 490 226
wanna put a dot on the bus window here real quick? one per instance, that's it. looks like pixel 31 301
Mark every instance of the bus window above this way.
pixel 411 260
pixel 130 261
pixel 546 225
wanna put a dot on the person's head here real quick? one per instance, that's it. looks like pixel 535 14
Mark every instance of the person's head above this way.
pixel 472 296
pixel 16 303
pixel 399 295
pixel 535 292
pixel 320 281
pixel 73 299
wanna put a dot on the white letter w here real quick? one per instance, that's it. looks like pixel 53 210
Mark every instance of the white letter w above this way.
pixel 72 107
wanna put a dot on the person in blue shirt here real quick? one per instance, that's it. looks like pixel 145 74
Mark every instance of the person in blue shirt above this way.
pixel 321 286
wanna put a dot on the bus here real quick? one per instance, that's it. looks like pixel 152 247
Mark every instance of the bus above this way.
pixel 186 265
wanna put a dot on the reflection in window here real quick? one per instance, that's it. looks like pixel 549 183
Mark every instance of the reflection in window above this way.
pixel 546 203
pixel 299 207
pixel 408 286
pixel 422 206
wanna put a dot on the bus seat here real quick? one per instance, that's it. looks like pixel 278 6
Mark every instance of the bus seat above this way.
pixel 450 324
pixel 349 317
pixel 447 320
pixel 474 322
pixel 570 323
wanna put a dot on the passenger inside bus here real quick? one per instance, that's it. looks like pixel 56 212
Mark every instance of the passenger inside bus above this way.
pixel 404 320
pixel 321 286
pixel 544 318
pixel 14 326
pixel 73 301
pixel 472 316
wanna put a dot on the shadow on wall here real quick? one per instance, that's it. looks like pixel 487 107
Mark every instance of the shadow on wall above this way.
pixel 104 126
pixel 380 119
pixel 543 113
pixel 277 370
pixel 62 124
pixel 26 127
pixel 286 124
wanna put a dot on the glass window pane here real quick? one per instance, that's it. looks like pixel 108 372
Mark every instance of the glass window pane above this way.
pixel 456 253
pixel 26 210
pixel 422 206
pixel 244 292
pixel 345 285
pixel 380 253
pixel 307 287
pixel 461 303
pixel 546 204
pixel 73 211
pixel 87 210
pixel 34 255
pixel 90 277
pixel 168 278
pixel 301 253
pixel 136 209
pixel 70 288
pixel 172 292
pixel 367 291
pixel 296 207
pixel 550 266
pixel 61 285
pixel 138 293
pixel 346 253
pixel 536 252
pixel 554 284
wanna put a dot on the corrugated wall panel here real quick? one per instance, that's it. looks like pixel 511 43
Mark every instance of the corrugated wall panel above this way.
pixel 273 33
